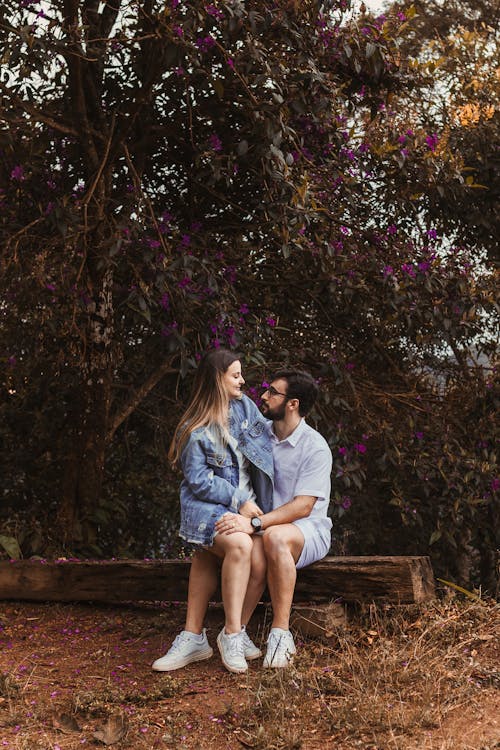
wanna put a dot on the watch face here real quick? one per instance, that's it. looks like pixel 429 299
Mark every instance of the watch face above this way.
pixel 256 523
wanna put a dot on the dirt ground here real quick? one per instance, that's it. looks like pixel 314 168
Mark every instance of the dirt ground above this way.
pixel 76 675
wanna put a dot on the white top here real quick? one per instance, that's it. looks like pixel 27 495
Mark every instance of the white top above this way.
pixel 245 482
pixel 302 466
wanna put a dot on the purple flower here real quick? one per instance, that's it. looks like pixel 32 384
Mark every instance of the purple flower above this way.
pixel 244 309
pixel 215 142
pixel 168 330
pixel 424 266
pixel 346 502
pixel 17 173
pixel 432 141
pixel 360 447
pixel 392 229
pixel 165 301
pixel 215 12
pixel 342 451
pixel 205 43
pixel 350 366
pixel 184 282
pixel 345 230
pixel 419 435
pixel 408 269
pixel 495 484
pixel 271 322
pixel 432 234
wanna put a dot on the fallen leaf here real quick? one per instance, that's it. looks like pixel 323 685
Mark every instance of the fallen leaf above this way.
pixel 113 731
pixel 65 723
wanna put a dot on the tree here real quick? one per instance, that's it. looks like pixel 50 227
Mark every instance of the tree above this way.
pixel 259 175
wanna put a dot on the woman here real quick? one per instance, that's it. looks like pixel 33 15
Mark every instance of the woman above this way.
pixel 222 445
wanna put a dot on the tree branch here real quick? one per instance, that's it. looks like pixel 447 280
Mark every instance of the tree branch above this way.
pixel 138 396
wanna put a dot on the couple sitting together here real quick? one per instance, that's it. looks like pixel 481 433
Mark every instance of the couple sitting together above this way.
pixel 254 501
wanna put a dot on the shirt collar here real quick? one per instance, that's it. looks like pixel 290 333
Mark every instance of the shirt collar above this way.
pixel 294 437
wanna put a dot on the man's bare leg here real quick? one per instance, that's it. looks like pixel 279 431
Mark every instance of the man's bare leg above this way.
pixel 282 548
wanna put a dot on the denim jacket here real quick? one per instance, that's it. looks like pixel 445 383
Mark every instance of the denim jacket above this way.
pixel 211 472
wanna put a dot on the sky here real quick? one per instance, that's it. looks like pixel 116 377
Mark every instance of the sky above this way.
pixel 373 4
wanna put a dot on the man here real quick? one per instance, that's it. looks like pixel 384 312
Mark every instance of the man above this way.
pixel 295 533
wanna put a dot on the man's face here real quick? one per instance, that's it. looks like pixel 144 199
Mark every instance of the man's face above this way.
pixel 274 400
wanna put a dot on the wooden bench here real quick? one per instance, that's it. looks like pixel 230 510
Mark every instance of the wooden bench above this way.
pixel 399 580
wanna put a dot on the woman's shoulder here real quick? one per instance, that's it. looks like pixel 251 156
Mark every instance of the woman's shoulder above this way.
pixel 201 434
pixel 245 408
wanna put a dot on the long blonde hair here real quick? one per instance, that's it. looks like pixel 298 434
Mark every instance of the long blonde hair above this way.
pixel 208 404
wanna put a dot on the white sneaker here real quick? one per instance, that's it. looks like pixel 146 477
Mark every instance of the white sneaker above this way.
pixel 250 650
pixel 232 651
pixel 280 649
pixel 186 648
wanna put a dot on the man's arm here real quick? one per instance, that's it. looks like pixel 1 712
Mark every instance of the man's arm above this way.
pixel 300 507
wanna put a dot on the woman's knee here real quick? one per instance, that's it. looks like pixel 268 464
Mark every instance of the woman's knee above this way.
pixel 237 544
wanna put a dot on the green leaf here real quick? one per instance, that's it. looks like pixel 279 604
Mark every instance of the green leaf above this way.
pixel 10 545
pixel 435 536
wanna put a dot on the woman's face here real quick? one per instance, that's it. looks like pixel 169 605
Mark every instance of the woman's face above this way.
pixel 233 380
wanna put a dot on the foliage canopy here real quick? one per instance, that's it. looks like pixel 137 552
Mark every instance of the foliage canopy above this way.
pixel 293 180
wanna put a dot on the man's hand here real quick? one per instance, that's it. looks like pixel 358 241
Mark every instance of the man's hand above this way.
pixel 250 509
pixel 231 522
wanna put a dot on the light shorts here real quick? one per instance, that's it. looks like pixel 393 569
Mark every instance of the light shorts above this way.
pixel 317 542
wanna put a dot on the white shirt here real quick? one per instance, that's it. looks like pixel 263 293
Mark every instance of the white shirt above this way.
pixel 245 482
pixel 302 466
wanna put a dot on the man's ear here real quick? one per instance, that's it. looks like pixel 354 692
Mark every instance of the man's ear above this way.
pixel 293 403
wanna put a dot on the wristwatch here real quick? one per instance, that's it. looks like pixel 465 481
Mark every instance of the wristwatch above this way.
pixel 256 523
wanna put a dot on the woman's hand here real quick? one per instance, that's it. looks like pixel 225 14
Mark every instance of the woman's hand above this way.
pixel 231 522
pixel 249 509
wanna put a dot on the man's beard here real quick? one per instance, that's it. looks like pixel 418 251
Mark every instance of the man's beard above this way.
pixel 275 414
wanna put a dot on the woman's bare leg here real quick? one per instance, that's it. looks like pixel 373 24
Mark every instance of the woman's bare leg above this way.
pixel 203 579
pixel 257 580
pixel 235 551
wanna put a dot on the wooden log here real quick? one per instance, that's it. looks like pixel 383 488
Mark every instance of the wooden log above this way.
pixel 388 579
pixel 319 620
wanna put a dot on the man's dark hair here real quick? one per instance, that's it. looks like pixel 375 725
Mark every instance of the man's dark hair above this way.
pixel 300 385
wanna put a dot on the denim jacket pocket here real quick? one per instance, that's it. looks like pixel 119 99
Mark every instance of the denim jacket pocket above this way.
pixel 257 429
pixel 219 459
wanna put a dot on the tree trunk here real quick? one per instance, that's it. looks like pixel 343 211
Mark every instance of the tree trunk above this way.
pixel 84 447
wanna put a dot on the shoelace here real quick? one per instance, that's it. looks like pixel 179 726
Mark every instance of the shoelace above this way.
pixel 246 640
pixel 179 642
pixel 235 646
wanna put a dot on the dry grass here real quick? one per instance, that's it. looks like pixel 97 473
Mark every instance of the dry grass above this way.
pixel 391 679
